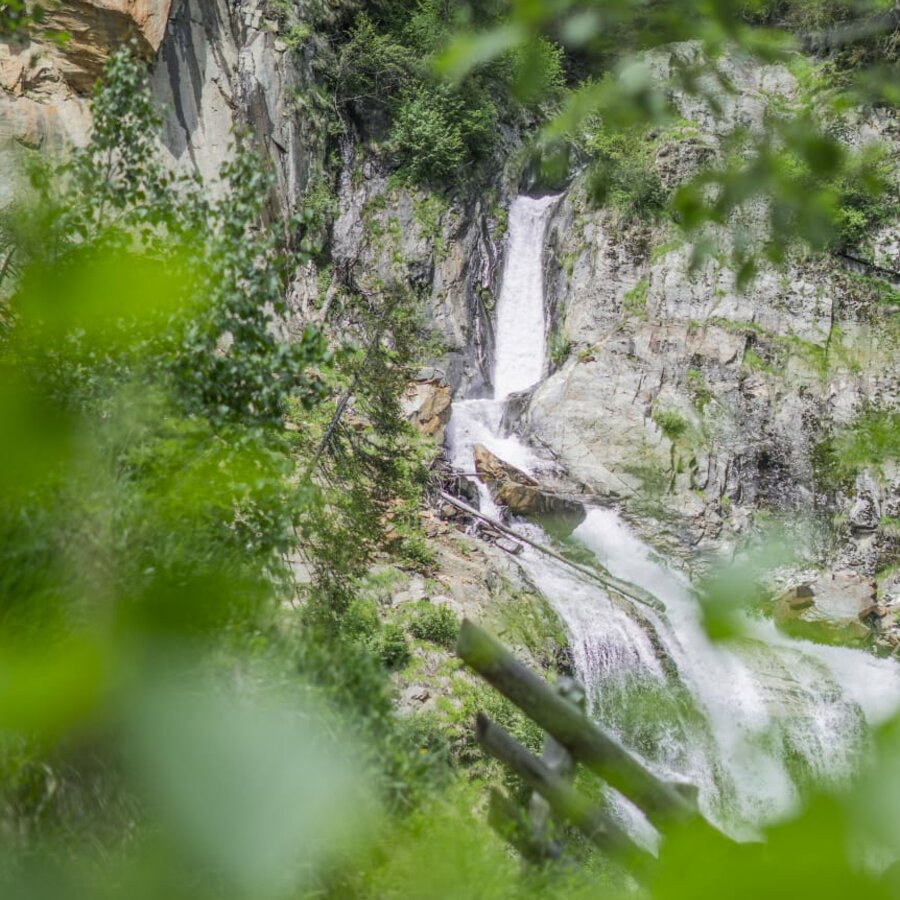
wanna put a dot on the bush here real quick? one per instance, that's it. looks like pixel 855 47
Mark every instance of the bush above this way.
pixel 672 425
pixel 622 174
pixel 865 200
pixel 392 647
pixel 433 623
pixel 437 132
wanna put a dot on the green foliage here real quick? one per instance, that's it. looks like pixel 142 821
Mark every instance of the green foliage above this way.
pixel 865 199
pixel 20 20
pixel 672 425
pixel 392 647
pixel 149 501
pixel 437 131
pixel 870 441
pixel 559 347
pixel 437 624
pixel 622 174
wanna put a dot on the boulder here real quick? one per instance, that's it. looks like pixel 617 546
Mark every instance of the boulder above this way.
pixel 493 471
pixel 837 608
pixel 429 405
pixel 523 496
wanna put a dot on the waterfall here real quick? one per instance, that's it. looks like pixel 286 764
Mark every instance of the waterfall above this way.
pixel 749 722
pixel 519 362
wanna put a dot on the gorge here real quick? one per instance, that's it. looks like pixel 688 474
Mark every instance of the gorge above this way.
pixel 309 298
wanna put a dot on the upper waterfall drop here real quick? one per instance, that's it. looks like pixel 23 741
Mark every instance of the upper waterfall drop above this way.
pixel 521 337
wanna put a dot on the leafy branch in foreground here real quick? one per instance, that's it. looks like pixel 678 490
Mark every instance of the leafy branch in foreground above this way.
pixel 793 176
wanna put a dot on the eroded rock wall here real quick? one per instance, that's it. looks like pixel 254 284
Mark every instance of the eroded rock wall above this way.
pixel 699 406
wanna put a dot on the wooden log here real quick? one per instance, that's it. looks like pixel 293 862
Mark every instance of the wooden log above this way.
pixel 511 823
pixel 626 588
pixel 564 800
pixel 588 743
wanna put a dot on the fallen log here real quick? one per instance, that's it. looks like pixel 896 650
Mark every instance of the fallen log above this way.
pixel 663 805
pixel 625 588
pixel 564 800
pixel 511 823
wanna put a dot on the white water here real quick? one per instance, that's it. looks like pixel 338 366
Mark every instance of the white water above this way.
pixel 747 722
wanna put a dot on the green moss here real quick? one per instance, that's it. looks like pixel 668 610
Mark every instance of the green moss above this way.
pixel 634 302
pixel 696 385
pixel 527 620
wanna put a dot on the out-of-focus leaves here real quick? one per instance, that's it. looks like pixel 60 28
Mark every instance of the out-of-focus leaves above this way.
pixel 109 301
pixel 263 792
pixel 48 687
pixel 473 50
pixel 735 589
pixel 808 856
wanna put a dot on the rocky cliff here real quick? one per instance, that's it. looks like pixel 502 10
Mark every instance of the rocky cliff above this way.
pixel 697 407
pixel 708 407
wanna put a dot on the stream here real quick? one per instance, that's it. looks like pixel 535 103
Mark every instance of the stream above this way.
pixel 749 722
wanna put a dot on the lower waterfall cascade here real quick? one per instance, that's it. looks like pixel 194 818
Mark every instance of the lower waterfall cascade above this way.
pixel 748 722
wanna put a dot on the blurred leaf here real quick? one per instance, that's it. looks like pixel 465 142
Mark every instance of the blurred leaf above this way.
pixel 265 793
pixel 49 687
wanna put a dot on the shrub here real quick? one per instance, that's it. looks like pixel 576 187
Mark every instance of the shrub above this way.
pixel 392 647
pixel 559 347
pixel 622 174
pixel 672 425
pixel 437 131
pixel 864 198
pixel 436 624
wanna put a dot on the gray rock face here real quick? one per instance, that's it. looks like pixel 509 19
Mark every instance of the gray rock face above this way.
pixel 694 404
pixel 222 68
pixel 389 237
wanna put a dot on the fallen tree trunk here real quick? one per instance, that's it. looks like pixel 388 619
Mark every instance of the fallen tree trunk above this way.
pixel 511 823
pixel 564 800
pixel 631 591
pixel 586 741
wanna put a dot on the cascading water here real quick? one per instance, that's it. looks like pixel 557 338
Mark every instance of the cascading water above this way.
pixel 748 721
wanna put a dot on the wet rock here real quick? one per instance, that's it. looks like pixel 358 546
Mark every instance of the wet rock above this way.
pixel 523 496
pixel 535 503
pixel 837 608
